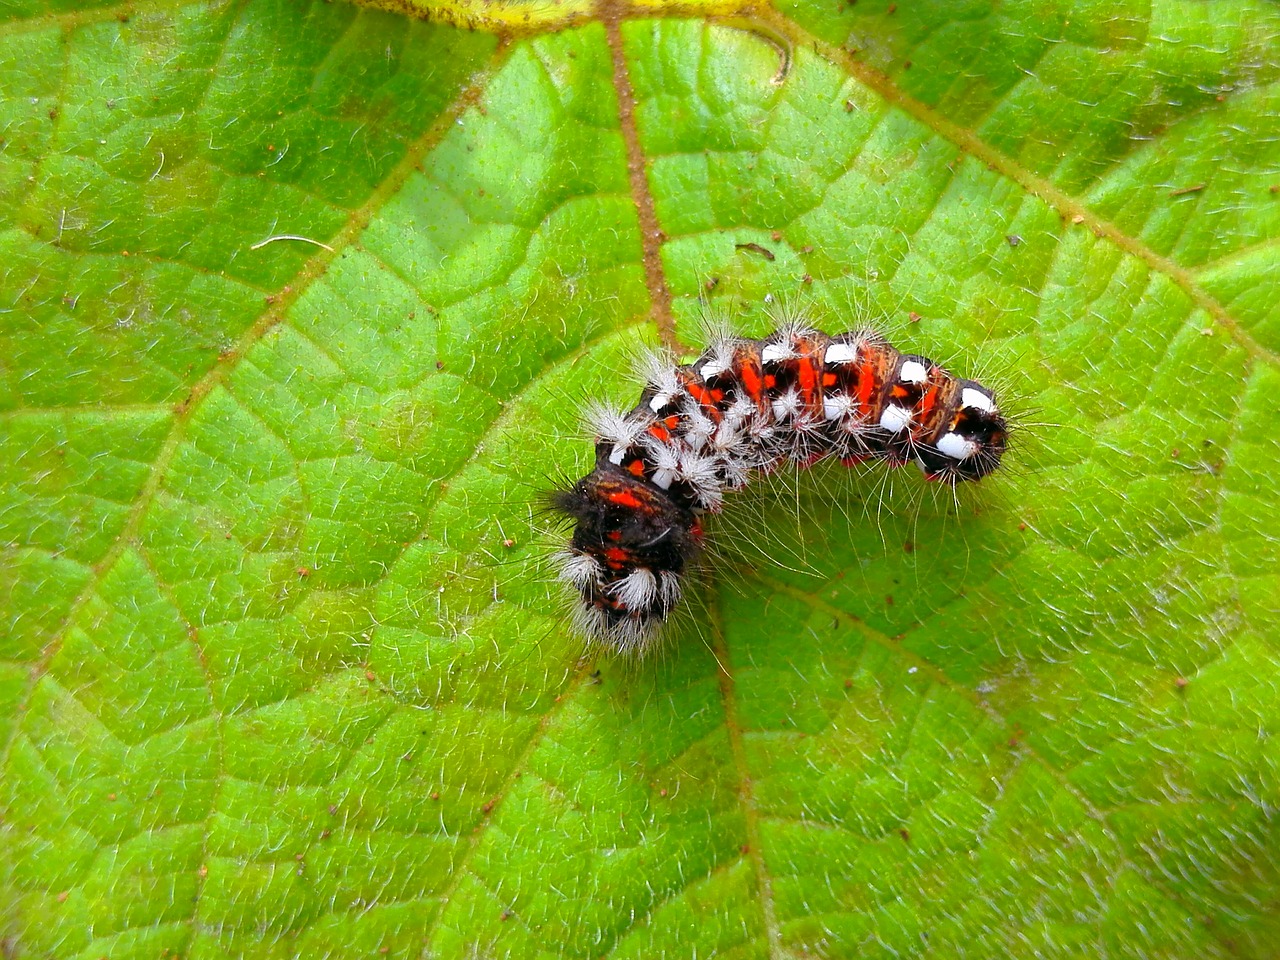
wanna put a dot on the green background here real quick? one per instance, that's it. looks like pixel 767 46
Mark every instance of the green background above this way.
pixel 299 303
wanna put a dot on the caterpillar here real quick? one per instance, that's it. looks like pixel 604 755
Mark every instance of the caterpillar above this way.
pixel 746 407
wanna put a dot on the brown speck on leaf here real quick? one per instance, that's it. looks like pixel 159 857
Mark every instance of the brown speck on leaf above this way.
pixel 507 915
pixel 326 833
pixel 1078 218
pixel 1185 190
pixel 1022 526
pixel 480 192
pixel 888 599
pixel 745 849
pixel 111 796
pixel 62 897
pixel 848 106
pixel 893 8
pixel 304 571
pixel 908 547
pixel 370 676
pixel 712 283
pixel 439 364
pixel 1181 683
pixel 905 834
pixel 1013 240
pixel 203 871
pixel 906 64
pixel 508 543
pixel 848 684
pixel 756 248
pixel 806 250
pixel 806 279
pixel 269 299
pixel 435 794
pixel 1175 453
pixel 333 809
pixel 776 236
pixel 488 807
pixel 913 317
pixel 662 792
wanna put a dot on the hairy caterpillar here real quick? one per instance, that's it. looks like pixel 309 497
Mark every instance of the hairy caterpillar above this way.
pixel 746 407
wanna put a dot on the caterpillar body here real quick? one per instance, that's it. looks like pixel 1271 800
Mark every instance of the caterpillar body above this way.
pixel 746 407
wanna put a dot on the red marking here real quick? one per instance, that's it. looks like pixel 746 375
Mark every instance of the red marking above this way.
pixel 808 374
pixel 770 381
pixel 614 535
pixel 751 384
pixel 697 530
pixel 672 421
pixel 707 399
pixel 659 431
pixel 829 379
pixel 866 380
pixel 617 557
pixel 925 407
pixel 636 468
pixel 899 392
pixel 624 498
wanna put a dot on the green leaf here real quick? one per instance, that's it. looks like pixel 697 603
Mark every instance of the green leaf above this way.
pixel 298 304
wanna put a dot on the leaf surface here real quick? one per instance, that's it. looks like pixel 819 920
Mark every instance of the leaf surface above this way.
pixel 298 307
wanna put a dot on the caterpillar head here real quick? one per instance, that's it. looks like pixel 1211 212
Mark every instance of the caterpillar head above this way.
pixel 974 439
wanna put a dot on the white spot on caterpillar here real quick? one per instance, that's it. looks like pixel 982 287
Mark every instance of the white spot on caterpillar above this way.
pixel 713 368
pixel 840 353
pixel 977 400
pixel 895 419
pixel 956 447
pixel 774 352
pixel 913 371
pixel 838 406
pixel 787 406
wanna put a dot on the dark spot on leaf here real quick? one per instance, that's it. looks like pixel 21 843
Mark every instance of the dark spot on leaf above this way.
pixel 756 248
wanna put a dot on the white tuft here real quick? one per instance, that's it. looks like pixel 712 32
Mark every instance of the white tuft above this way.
pixel 578 568
pixel 658 370
pixel 977 400
pixel 637 590
pixel 612 426
pixel 895 419
pixel 665 460
pixel 669 587
pixel 956 447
